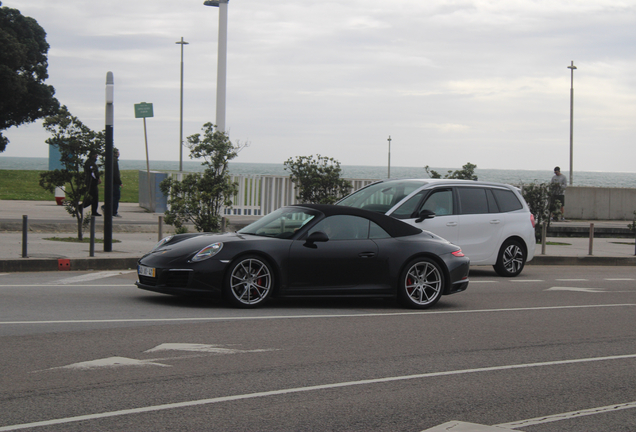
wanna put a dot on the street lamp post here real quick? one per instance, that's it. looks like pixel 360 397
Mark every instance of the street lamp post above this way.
pixel 221 62
pixel 389 140
pixel 182 43
pixel 571 67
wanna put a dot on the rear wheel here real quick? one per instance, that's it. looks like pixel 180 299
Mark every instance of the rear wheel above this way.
pixel 511 259
pixel 249 282
pixel 421 284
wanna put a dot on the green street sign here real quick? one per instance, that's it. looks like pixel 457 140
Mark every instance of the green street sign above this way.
pixel 143 110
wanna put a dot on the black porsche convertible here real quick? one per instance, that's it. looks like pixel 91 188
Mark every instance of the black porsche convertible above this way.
pixel 309 250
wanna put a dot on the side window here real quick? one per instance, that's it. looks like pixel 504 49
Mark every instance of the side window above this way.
pixel 376 231
pixel 492 203
pixel 507 200
pixel 473 200
pixel 440 202
pixel 408 209
pixel 343 227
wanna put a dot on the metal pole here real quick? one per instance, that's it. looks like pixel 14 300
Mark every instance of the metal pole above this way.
pixel 221 67
pixel 182 43
pixel 91 249
pixel 148 168
pixel 25 230
pixel 571 67
pixel 108 186
pixel 160 228
pixel 389 140
pixel 544 232
pixel 591 239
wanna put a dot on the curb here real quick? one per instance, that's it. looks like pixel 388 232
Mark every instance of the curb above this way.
pixel 55 264
pixel 582 260
pixel 61 264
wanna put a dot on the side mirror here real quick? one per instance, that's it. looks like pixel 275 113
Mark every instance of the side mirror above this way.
pixel 425 214
pixel 316 237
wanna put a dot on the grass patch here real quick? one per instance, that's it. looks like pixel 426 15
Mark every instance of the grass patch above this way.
pixel 625 243
pixel 76 240
pixel 25 185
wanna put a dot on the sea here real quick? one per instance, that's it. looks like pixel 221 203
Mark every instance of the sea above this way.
pixel 515 177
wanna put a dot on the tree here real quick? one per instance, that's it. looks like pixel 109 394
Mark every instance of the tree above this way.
pixel 466 173
pixel 317 179
pixel 199 198
pixel 23 69
pixel 541 198
pixel 74 141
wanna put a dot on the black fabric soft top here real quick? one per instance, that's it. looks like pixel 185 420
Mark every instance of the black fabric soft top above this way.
pixel 394 227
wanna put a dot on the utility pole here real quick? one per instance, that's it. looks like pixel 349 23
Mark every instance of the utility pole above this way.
pixel 182 43
pixel 389 140
pixel 108 185
pixel 571 67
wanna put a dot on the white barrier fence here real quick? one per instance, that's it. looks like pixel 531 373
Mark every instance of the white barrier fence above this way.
pixel 260 195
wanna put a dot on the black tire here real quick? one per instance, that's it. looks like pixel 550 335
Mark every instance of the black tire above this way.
pixel 421 284
pixel 511 259
pixel 248 282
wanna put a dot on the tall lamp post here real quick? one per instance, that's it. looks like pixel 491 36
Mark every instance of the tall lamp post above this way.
pixel 571 67
pixel 389 140
pixel 182 43
pixel 221 62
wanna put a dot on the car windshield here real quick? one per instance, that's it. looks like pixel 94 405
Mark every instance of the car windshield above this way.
pixel 380 197
pixel 282 223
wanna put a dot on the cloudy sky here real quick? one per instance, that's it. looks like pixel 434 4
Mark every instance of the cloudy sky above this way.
pixel 450 81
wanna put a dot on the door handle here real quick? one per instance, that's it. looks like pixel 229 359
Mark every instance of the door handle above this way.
pixel 494 222
pixel 451 224
pixel 366 254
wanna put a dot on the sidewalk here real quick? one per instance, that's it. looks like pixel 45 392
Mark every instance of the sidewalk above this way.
pixel 138 231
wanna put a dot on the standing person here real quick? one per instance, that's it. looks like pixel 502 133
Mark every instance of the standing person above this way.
pixel 562 182
pixel 91 171
pixel 117 184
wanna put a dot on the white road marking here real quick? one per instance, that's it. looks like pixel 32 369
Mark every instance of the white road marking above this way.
pixel 568 415
pixel 526 280
pixel 619 279
pixel 110 362
pixel 192 347
pixel 329 316
pixel 215 400
pixel 92 276
pixel 482 281
pixel 573 280
pixel 589 290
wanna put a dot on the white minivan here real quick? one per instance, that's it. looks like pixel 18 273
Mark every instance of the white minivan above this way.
pixel 491 222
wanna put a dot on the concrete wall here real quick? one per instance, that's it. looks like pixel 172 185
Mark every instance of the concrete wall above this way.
pixel 596 203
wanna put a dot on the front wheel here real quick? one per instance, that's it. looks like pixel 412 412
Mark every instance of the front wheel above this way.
pixel 511 259
pixel 248 282
pixel 421 284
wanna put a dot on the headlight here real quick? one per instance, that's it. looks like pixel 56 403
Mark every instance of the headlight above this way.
pixel 207 252
pixel 162 242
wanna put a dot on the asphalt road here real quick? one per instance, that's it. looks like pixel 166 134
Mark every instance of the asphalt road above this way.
pixel 89 351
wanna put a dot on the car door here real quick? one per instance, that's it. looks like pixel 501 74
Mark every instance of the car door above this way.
pixel 347 262
pixel 480 224
pixel 440 201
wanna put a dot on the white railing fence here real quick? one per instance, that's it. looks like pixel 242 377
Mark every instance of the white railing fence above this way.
pixel 262 194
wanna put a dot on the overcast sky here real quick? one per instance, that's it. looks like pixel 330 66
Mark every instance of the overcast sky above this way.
pixel 451 81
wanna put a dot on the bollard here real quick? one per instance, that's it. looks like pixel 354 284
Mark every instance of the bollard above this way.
pixel 591 238
pixel 160 228
pixel 223 224
pixel 544 231
pixel 92 247
pixel 25 230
